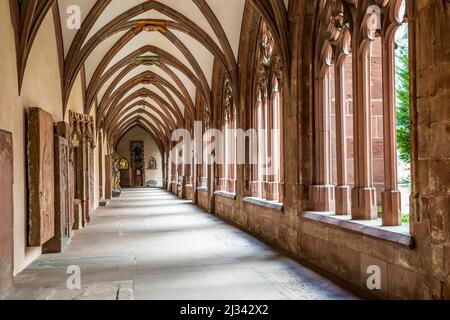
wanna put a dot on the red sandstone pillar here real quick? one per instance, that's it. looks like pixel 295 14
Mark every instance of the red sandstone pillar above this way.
pixel 322 193
pixel 108 182
pixel 391 195
pixel 343 190
pixel 364 206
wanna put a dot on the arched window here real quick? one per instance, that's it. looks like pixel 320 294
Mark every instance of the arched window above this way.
pixel 228 165
pixel 276 133
pixel 365 44
pixel 205 126
pixel 395 70
pixel 403 114
pixel 267 167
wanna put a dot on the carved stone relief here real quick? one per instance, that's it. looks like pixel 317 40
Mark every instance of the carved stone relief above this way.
pixel 62 199
pixel 41 214
pixel 82 135
pixel 229 108
pixel 267 45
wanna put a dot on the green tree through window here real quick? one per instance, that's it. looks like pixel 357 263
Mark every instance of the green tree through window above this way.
pixel 403 114
pixel 403 104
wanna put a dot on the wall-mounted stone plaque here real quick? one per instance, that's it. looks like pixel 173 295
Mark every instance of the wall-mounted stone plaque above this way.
pixel 62 129
pixel 41 212
pixel 78 215
pixel 62 199
pixel 6 213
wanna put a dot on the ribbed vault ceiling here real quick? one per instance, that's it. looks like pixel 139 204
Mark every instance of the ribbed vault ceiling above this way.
pixel 144 61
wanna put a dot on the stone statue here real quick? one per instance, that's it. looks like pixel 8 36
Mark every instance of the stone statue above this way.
pixel 115 176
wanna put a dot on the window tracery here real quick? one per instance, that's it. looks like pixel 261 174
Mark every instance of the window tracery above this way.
pixel 347 33
pixel 267 168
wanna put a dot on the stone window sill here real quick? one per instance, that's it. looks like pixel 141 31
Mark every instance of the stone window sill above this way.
pixel 372 229
pixel 203 189
pixel 265 203
pixel 225 194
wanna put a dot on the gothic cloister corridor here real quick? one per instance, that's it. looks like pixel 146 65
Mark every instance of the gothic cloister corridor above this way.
pixel 225 149
pixel 150 245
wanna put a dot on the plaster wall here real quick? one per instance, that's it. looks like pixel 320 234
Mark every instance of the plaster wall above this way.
pixel 150 150
pixel 41 88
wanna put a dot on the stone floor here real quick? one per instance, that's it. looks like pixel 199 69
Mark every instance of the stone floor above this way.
pixel 150 245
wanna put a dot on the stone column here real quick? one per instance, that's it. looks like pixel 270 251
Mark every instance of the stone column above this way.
pixel 164 170
pixel 108 178
pixel 212 176
pixel 270 179
pixel 91 180
pixel 186 182
pixel 243 151
pixel 322 193
pixel 169 172
pixel 195 181
pixel 364 205
pixel 279 97
pixel 343 190
pixel 100 170
pixel 198 156
pixel 212 187
pixel 265 147
pixel 83 191
pixel 78 214
pixel 90 137
pixel 391 195
pixel 174 178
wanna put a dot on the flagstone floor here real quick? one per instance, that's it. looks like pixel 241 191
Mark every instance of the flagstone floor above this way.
pixel 147 244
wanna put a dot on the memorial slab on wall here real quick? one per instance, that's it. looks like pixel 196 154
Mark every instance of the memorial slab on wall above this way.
pixel 62 199
pixel 78 215
pixel 41 212
pixel 6 213
pixel 62 129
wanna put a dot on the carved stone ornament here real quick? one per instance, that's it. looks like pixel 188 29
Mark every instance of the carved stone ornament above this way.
pixel 262 83
pixel 346 42
pixel 228 100
pixel 207 116
pixel 277 72
pixel 83 129
pixel 327 54
pixel 372 22
pixel 267 45
pixel 151 26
